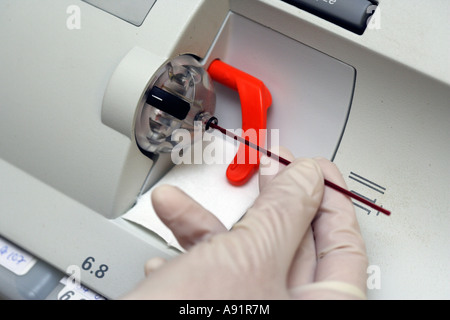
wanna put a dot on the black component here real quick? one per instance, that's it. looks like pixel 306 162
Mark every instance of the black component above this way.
pixel 352 15
pixel 213 120
pixel 169 103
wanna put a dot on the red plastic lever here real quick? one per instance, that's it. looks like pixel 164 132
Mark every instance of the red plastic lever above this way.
pixel 255 100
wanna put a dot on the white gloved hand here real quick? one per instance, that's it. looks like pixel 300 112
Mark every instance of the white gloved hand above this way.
pixel 299 240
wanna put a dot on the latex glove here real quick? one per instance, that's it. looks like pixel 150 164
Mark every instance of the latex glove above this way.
pixel 298 240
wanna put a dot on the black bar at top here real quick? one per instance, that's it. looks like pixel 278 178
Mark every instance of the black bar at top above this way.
pixel 352 15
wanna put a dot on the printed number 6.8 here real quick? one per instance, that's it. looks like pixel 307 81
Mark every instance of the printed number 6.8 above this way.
pixel 88 264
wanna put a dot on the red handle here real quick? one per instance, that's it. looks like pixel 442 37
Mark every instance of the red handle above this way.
pixel 255 100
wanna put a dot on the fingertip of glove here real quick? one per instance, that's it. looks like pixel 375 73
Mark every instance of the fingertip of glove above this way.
pixel 330 171
pixel 278 150
pixel 162 193
pixel 324 162
pixel 308 164
pixel 153 264
pixel 308 173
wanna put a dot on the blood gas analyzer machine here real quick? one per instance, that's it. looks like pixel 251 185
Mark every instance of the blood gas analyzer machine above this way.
pixel 92 91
